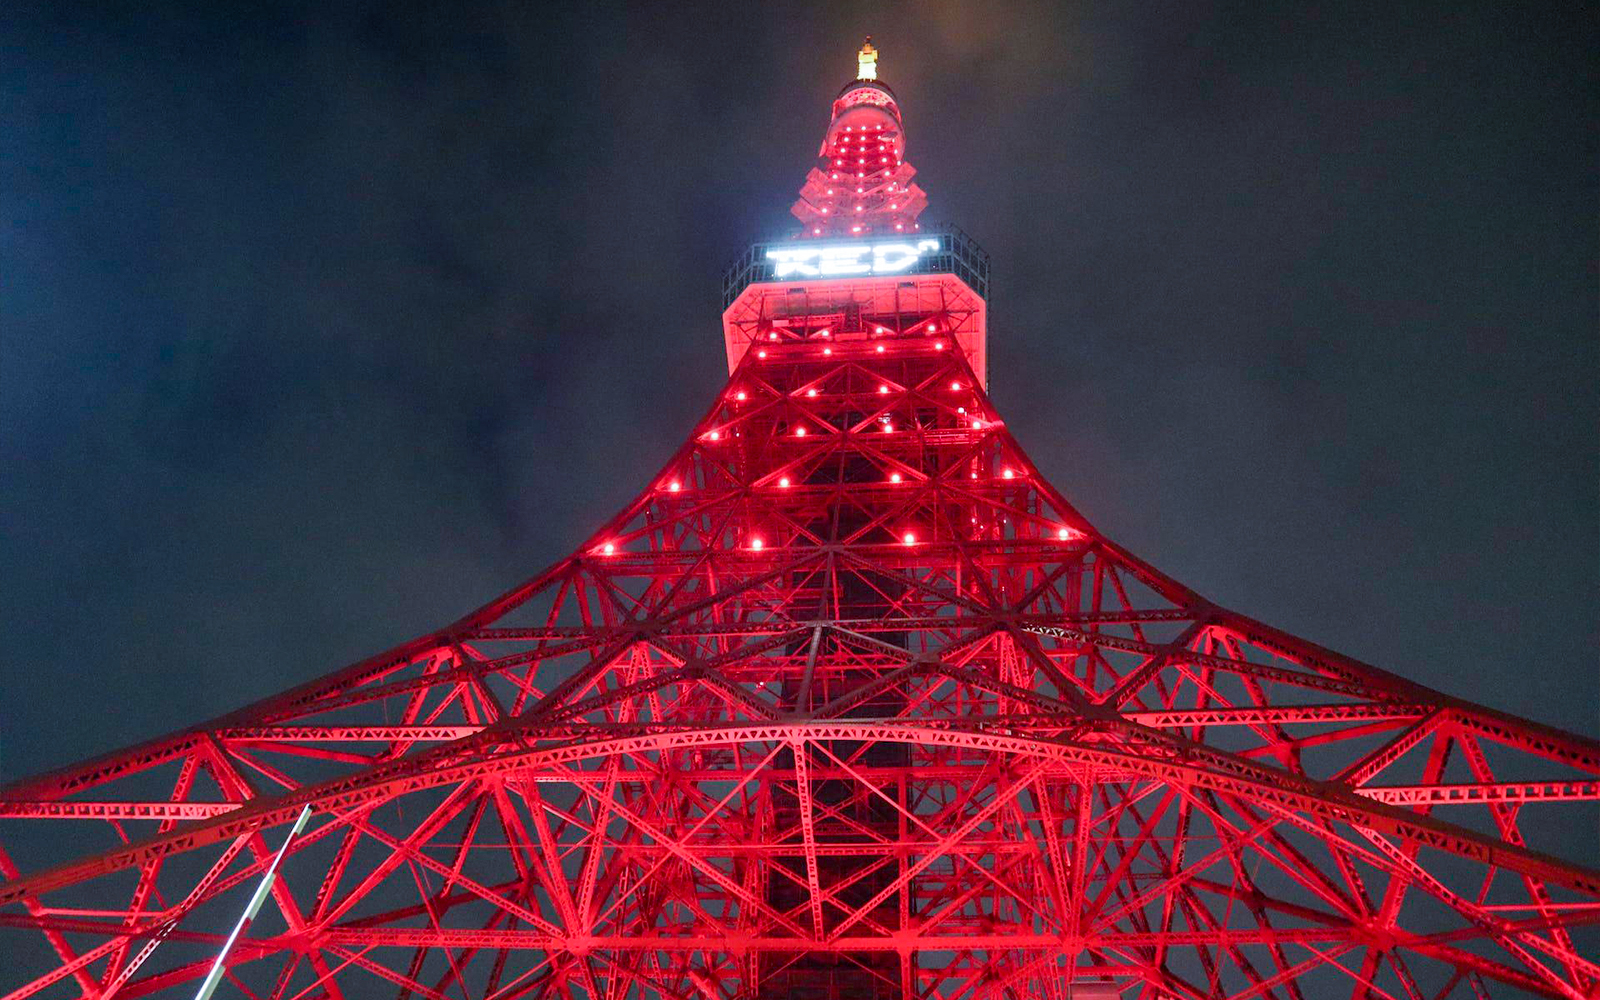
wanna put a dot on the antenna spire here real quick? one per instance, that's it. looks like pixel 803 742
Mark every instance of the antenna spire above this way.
pixel 867 61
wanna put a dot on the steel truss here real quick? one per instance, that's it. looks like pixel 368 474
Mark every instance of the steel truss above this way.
pixel 1002 754
pixel 848 703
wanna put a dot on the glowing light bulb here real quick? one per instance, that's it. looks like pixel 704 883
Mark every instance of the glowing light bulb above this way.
pixel 888 428
pixel 827 350
pixel 909 538
pixel 811 392
pixel 761 354
pixel 1063 534
pixel 784 482
pixel 899 225
pixel 894 477
pixel 977 425
pixel 855 229
pixel 883 390
pixel 817 230
pixel 800 432
pixel 739 396
pixel 879 329
pixel 714 435
pixel 773 335
pixel 824 211
pixel 955 386
pixel 822 332
pixel 938 345
pixel 830 190
pixel 675 486
pixel 755 543
pixel 880 348
pixel 972 475
pixel 932 328
pixel 1007 474
pixel 607 548
pixel 893 205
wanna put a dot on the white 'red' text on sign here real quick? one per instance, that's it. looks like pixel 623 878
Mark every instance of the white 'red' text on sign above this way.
pixel 848 258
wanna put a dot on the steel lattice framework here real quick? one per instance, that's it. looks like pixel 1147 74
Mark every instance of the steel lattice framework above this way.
pixel 848 703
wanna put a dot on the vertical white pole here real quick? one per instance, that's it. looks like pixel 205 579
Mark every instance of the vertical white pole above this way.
pixel 214 977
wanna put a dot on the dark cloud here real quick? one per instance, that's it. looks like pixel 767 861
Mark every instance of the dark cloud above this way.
pixel 322 326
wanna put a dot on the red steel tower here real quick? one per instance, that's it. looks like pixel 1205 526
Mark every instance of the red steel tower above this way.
pixel 849 703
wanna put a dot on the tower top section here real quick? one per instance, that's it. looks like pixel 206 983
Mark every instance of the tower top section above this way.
pixel 861 185
pixel 861 278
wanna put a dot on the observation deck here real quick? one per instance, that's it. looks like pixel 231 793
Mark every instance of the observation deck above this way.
pixel 787 292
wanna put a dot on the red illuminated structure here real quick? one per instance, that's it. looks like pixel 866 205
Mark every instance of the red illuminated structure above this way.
pixel 848 704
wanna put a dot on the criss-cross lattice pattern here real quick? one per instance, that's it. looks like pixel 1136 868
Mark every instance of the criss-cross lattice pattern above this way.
pixel 850 700
pixel 847 704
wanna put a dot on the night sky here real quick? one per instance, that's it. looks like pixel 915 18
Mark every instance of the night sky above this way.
pixel 321 326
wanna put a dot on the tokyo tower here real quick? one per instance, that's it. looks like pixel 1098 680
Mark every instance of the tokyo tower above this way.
pixel 849 703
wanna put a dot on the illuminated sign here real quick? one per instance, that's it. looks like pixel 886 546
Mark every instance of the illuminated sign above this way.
pixel 848 258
